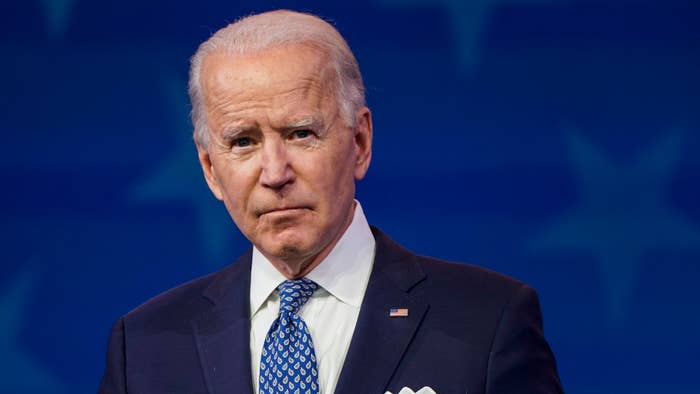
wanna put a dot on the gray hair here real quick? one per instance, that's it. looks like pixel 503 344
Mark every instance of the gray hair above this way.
pixel 256 33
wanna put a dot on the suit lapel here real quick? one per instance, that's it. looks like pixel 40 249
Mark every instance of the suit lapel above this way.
pixel 222 333
pixel 379 341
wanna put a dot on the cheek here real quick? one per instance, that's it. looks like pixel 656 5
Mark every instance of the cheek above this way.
pixel 338 182
pixel 236 188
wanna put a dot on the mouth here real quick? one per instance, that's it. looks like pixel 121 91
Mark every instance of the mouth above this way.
pixel 281 210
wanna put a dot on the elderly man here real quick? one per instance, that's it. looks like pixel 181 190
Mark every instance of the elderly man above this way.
pixel 322 303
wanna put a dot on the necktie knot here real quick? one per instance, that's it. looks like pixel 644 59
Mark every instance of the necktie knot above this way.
pixel 294 294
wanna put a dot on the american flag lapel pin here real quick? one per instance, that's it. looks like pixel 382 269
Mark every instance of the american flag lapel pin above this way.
pixel 398 312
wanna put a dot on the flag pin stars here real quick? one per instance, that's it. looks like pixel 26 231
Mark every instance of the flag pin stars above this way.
pixel 398 312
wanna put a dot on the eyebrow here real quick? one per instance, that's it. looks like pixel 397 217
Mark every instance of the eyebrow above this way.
pixel 232 133
pixel 306 122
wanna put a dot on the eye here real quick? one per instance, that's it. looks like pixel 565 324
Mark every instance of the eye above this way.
pixel 242 142
pixel 301 133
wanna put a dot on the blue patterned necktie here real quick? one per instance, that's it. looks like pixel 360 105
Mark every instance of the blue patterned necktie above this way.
pixel 288 362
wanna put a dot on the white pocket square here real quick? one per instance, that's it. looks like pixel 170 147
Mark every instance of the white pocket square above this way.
pixel 406 390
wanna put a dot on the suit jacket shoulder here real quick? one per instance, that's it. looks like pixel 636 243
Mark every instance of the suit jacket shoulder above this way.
pixel 182 302
pixel 469 329
pixel 190 339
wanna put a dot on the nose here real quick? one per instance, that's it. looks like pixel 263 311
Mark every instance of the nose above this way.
pixel 276 171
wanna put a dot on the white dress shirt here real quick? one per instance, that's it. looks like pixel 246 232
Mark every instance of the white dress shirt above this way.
pixel 331 313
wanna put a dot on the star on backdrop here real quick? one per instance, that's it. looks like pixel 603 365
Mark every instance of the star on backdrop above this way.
pixel 20 372
pixel 621 215
pixel 467 21
pixel 179 177
pixel 57 15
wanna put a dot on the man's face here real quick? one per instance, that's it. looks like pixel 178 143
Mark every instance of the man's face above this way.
pixel 281 157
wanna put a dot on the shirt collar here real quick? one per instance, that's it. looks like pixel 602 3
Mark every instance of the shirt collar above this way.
pixel 344 273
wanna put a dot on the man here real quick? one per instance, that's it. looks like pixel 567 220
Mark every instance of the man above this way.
pixel 321 303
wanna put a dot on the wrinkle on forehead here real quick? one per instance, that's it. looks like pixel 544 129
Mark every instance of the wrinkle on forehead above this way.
pixel 236 84
pixel 277 110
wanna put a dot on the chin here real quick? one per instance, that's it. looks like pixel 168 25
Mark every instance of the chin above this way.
pixel 290 253
pixel 288 247
pixel 293 244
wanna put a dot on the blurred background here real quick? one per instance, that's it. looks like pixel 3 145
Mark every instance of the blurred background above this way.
pixel 557 141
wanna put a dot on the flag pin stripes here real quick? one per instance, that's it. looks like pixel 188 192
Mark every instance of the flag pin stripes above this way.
pixel 398 312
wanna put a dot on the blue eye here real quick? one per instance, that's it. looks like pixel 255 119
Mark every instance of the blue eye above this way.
pixel 242 142
pixel 302 133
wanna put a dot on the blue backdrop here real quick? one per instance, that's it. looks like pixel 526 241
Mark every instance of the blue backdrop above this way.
pixel 557 141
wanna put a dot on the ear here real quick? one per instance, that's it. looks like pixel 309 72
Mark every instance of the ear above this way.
pixel 363 142
pixel 208 169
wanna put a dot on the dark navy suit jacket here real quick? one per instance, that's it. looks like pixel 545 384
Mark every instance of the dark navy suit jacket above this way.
pixel 468 330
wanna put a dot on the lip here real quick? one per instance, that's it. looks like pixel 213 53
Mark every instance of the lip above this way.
pixel 282 210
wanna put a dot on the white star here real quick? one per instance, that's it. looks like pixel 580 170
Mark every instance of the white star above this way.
pixel 467 20
pixel 179 177
pixel 57 14
pixel 19 371
pixel 622 214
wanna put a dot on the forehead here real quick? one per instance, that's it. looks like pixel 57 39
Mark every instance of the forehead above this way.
pixel 286 74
